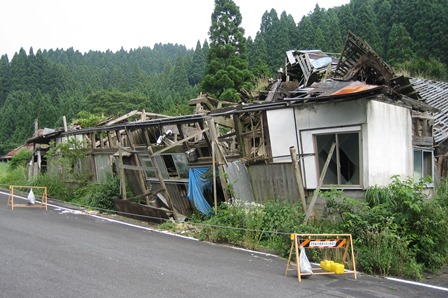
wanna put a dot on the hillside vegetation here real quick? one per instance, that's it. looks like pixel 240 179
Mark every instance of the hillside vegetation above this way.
pixel 47 84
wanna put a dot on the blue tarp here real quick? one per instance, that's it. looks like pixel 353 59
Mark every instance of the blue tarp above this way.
pixel 196 187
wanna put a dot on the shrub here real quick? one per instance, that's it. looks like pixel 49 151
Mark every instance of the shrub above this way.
pixel 168 225
pixel 254 225
pixel 20 159
pixel 383 252
pixel 280 219
pixel 226 225
pixel 398 230
pixel 442 192
pixel 56 188
pixel 16 176
pixel 100 195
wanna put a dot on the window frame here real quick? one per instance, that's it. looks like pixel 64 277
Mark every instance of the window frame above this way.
pixel 422 161
pixel 335 134
pixel 177 161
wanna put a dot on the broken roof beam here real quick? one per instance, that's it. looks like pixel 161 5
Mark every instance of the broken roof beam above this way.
pixel 370 70
pixel 179 142
pixel 221 120
pixel 146 115
pixel 143 117
pixel 210 102
pixel 354 49
pixel 122 118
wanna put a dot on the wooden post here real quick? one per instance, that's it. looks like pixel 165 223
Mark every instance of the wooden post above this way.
pixel 101 139
pixel 130 137
pixel 298 175
pixel 211 126
pixel 109 139
pixel 36 126
pixel 213 143
pixel 122 176
pixel 238 130
pixel 215 195
pixel 141 178
pixel 117 134
pixel 64 120
pixel 92 140
pixel 33 171
pixel 162 182
pixel 321 179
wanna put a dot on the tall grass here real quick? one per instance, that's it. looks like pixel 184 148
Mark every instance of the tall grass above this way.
pixel 12 176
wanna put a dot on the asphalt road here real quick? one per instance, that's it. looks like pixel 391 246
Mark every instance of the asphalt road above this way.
pixel 57 253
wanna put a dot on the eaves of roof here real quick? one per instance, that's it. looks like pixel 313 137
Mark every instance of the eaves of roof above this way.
pixel 149 123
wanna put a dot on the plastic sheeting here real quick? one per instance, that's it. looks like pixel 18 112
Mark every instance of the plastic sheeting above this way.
pixel 197 184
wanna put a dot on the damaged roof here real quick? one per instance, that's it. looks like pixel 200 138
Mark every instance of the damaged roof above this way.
pixel 312 75
pixel 435 93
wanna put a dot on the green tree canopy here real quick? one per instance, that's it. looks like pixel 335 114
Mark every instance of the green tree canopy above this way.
pixel 113 103
pixel 400 45
pixel 227 67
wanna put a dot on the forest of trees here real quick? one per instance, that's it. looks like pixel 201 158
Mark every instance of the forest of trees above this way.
pixel 410 35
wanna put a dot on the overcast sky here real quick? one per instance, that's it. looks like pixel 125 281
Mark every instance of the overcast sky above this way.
pixel 111 24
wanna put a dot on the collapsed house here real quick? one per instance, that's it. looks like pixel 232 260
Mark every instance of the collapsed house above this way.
pixel 158 159
pixel 346 123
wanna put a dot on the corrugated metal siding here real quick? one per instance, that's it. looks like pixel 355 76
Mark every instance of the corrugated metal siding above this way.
pixel 273 181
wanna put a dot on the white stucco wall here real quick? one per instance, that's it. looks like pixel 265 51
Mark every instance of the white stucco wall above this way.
pixel 282 132
pixel 386 137
pixel 326 118
pixel 388 143
pixel 331 115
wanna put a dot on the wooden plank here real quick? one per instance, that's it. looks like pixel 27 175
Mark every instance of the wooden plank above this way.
pixel 182 136
pixel 130 138
pixel 119 119
pixel 162 184
pixel 321 179
pixel 298 176
pixel 238 130
pixel 122 175
pixel 138 168
pixel 180 142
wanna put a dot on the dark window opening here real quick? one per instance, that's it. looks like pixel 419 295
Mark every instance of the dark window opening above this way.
pixel 170 165
pixel 344 166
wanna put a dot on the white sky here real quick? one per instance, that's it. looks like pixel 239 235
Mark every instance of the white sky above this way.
pixel 111 24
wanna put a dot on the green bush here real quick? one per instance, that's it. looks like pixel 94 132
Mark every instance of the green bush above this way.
pixel 398 230
pixel 226 225
pixel 16 176
pixel 14 172
pixel 56 188
pixel 168 225
pixel 383 252
pixel 20 159
pixel 421 220
pixel 258 226
pixel 100 195
pixel 279 221
pixel 442 192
